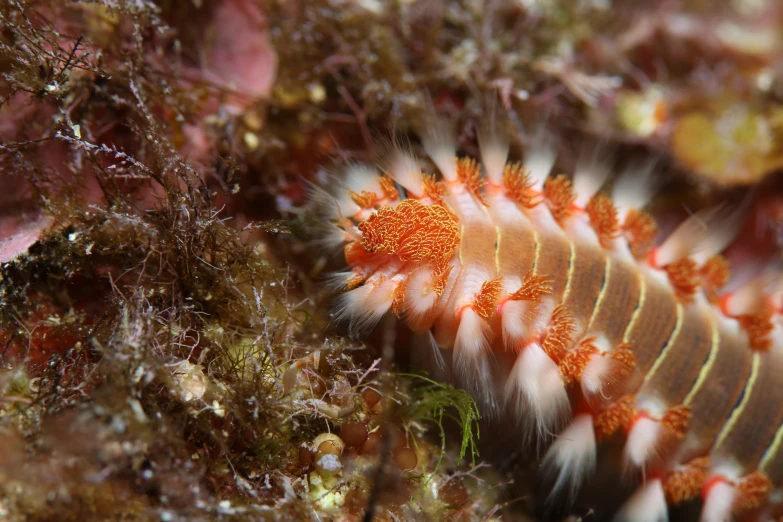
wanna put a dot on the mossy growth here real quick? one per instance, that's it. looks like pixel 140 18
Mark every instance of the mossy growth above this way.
pixel 160 359
pixel 436 402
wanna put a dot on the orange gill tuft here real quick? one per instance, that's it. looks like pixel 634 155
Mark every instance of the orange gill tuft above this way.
pixel 412 231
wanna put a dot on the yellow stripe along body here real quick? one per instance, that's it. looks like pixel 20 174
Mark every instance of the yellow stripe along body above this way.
pixel 686 352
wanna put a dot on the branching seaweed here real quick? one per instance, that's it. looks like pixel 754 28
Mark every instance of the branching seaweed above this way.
pixel 434 401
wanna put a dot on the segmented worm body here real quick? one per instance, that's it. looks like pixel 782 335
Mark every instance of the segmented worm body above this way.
pixel 557 306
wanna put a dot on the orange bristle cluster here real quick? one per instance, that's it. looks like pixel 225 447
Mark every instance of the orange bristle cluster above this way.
pixel 615 417
pixel 388 188
pixel 641 230
pixel 533 288
pixel 685 483
pixel 573 364
pixel 519 186
pixel 469 174
pixel 560 334
pixel 758 325
pixel 561 314
pixel 624 355
pixel 434 189
pixel 603 216
pixel 677 420
pixel 559 196
pixel 684 276
pixel 715 273
pixel 486 299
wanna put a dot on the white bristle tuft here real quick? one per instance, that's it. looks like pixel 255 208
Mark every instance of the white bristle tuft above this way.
pixel 687 239
pixel 473 359
pixel 363 307
pixel 441 145
pixel 360 178
pixel 590 174
pixel 571 457
pixel 333 239
pixel 745 299
pixel 494 146
pixel 436 355
pixel 647 504
pixel 326 213
pixel 537 387
pixel 329 207
pixel 719 503
pixel 539 161
pixel 634 188
pixel 382 296
pixel 596 375
pixel 515 321
pixel 642 442
pixel 349 308
pixel 339 280
pixel 775 287
pixel 420 299
pixel 405 170
pixel 722 231
pixel 352 233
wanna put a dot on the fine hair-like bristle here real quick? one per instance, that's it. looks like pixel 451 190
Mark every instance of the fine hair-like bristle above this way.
pixel 571 458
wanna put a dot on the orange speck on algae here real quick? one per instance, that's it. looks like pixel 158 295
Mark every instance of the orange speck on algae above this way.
pixel 354 281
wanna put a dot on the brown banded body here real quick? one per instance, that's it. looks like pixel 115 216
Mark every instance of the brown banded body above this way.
pixel 599 330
